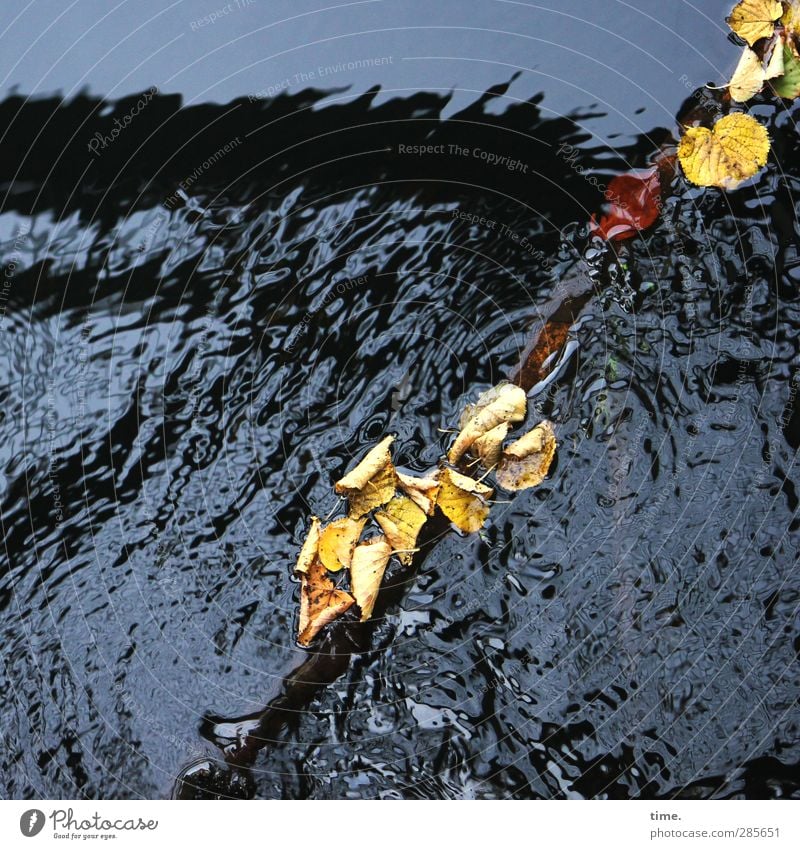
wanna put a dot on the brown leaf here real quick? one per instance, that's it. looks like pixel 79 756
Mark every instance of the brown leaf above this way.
pixel 366 572
pixel 462 500
pixel 634 203
pixel 320 602
pixel 526 462
pixel 337 541
pixel 401 520
pixel 373 481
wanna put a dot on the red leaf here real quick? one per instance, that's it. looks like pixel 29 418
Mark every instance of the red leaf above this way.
pixel 633 204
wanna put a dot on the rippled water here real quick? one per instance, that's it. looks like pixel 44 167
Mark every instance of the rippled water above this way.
pixel 188 371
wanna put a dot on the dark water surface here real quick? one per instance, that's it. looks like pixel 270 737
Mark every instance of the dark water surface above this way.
pixel 188 370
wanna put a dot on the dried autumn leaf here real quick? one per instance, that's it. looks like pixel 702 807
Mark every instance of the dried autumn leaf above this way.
pixel 634 202
pixel 401 521
pixel 366 572
pixel 422 491
pixel 462 500
pixel 373 481
pixel 337 541
pixel 751 72
pixel 791 17
pixel 776 64
pixel 748 78
pixel 502 404
pixel 755 19
pixel 487 448
pixel 320 602
pixel 526 462
pixel 788 85
pixel 484 400
pixel 733 151
pixel 308 552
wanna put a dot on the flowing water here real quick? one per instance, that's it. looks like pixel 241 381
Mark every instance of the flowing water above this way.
pixel 208 322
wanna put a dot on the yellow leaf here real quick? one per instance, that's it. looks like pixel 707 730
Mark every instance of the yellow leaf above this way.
pixel 487 448
pixel 734 150
pixel 526 462
pixel 373 481
pixel 748 78
pixel 308 553
pixel 422 491
pixel 755 19
pixel 788 85
pixel 366 573
pixel 502 404
pixel 462 500
pixel 791 17
pixel 320 602
pixel 401 520
pixel 337 541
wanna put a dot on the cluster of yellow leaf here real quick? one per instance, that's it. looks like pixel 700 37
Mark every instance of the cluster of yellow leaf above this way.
pixel 400 505
pixel 771 30
pixel 737 146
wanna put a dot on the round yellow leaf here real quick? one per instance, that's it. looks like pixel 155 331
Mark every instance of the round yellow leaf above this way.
pixel 733 151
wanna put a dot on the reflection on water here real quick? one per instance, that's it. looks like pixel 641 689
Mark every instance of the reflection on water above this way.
pixel 205 323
